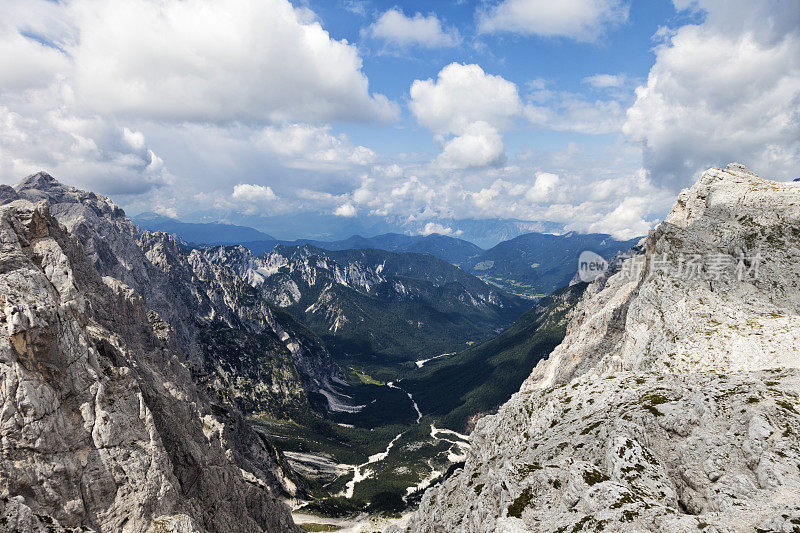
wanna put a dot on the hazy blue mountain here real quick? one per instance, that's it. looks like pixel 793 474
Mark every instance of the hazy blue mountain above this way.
pixel 201 232
pixel 535 264
pixel 489 232
pixel 456 251
pixel 327 228
pixel 450 249
pixel 317 226
pixel 530 264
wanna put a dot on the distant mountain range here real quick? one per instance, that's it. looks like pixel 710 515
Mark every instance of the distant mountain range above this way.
pixel 529 265
pixel 536 264
pixel 451 249
pixel 489 232
pixel 201 232
pixel 316 228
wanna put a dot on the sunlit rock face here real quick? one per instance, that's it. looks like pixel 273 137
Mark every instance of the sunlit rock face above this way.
pixel 102 424
pixel 672 404
pixel 210 309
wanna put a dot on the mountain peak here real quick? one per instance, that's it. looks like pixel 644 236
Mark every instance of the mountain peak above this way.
pixel 734 191
pixel 739 168
pixel 44 187
pixel 671 387
pixel 41 180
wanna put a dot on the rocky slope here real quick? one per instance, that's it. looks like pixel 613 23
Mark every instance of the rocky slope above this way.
pixel 235 342
pixel 672 404
pixel 104 425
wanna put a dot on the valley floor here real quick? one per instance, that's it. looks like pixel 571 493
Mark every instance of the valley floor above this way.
pixel 353 475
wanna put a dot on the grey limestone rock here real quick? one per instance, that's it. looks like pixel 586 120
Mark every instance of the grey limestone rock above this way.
pixel 102 426
pixel 673 403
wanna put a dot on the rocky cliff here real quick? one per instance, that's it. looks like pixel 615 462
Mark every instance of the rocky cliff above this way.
pixel 672 404
pixel 102 424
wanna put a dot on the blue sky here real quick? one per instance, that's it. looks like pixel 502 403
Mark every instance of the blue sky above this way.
pixel 564 63
pixel 591 113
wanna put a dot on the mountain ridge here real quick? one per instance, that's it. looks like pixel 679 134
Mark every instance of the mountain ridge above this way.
pixel 672 403
pixel 341 294
pixel 95 436
pixel 481 233
pixel 201 232
pixel 535 264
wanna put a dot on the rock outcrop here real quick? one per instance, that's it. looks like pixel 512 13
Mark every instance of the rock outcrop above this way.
pixel 102 426
pixel 673 402
pixel 209 307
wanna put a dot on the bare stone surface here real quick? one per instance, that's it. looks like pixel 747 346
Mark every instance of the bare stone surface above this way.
pixel 673 403
pixel 101 425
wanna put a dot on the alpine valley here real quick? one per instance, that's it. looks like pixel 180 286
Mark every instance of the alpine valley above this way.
pixel 169 376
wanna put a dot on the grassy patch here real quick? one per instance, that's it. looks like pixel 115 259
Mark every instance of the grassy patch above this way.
pixel 365 378
pixel 519 504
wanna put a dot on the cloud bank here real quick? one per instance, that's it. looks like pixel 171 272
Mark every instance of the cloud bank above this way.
pixel 726 89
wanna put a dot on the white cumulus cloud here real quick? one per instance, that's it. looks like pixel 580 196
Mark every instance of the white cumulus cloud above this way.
pixel 479 145
pixel 254 199
pixel 215 61
pixel 86 152
pixel 470 104
pixel 726 89
pixel 434 227
pixel 308 146
pixel 543 187
pixel 399 30
pixel 583 20
pixel 135 139
pixel 89 87
pixel 345 210
pixel 461 95
pixel 626 221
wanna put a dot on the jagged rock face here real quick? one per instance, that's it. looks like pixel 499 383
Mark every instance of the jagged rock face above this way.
pixel 102 426
pixel 288 272
pixel 228 334
pixel 229 289
pixel 111 246
pixel 672 404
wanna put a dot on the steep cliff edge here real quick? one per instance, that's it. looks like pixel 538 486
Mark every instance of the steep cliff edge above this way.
pixel 207 305
pixel 672 404
pixel 102 426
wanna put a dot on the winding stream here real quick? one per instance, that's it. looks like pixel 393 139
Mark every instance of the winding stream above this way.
pixel 357 472
pixel 391 385
pixel 360 472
